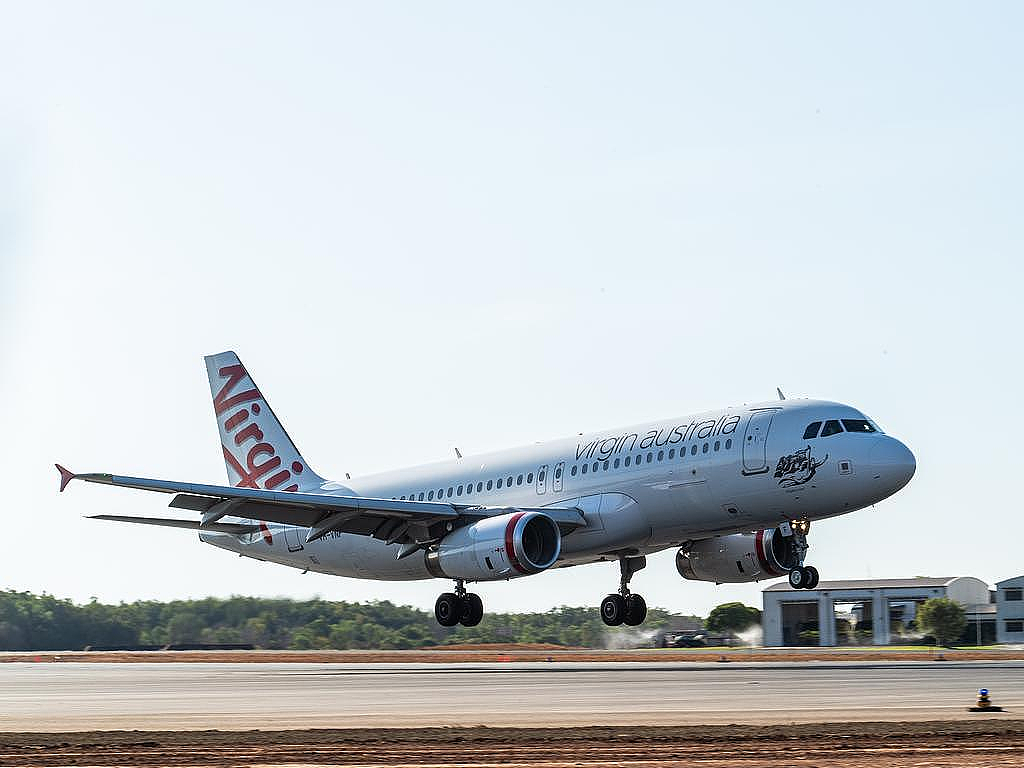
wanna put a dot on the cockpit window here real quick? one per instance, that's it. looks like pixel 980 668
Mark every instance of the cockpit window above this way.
pixel 812 430
pixel 858 425
pixel 832 427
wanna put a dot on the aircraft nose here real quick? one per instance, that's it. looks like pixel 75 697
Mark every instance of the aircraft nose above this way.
pixel 892 463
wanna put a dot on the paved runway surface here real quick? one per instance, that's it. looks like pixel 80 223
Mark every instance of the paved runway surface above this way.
pixel 171 696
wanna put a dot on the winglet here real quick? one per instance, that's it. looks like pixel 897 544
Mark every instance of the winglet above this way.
pixel 66 476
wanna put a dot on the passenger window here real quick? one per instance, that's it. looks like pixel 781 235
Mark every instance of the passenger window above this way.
pixel 573 472
pixel 479 487
pixel 650 456
pixel 529 478
pixel 585 467
pixel 671 453
pixel 832 427
pixel 400 498
pixel 499 483
pixel 616 465
pixel 540 477
pixel 728 444
pixel 558 472
pixel 627 461
pixel 421 496
pixel 661 455
pixel 858 425
pixel 519 480
pixel 594 468
pixel 705 448
pixel 812 430
pixel 450 489
pixel 718 444
pixel 509 481
pixel 605 465
pixel 430 496
pixel 693 449
pixel 458 491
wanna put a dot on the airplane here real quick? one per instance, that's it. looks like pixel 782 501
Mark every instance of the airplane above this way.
pixel 734 490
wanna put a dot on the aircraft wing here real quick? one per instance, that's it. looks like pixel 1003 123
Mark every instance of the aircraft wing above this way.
pixel 394 521
pixel 236 528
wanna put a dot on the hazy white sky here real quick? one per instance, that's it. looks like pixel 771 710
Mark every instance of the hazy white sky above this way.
pixel 428 225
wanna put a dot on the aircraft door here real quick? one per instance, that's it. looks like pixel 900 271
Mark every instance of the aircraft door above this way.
pixel 755 443
pixel 542 478
pixel 556 479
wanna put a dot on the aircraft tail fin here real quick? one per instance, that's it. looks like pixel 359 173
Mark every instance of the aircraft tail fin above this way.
pixel 258 452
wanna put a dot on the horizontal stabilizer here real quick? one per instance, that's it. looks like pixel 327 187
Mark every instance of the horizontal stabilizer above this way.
pixel 237 529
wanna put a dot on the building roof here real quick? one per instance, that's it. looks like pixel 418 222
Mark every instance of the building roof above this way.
pixel 981 608
pixel 825 586
pixel 1016 581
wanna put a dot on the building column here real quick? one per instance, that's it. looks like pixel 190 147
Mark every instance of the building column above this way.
pixel 771 620
pixel 826 620
pixel 880 617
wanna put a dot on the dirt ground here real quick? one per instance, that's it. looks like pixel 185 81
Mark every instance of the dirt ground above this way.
pixel 983 743
pixel 498 653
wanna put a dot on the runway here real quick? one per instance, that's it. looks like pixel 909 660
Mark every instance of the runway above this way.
pixel 180 696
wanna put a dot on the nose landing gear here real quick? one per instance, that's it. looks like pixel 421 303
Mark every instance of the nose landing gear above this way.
pixel 459 607
pixel 802 576
pixel 625 607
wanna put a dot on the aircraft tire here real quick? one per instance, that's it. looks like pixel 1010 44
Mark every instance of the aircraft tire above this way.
pixel 448 609
pixel 613 610
pixel 472 610
pixel 636 610
pixel 812 577
pixel 797 578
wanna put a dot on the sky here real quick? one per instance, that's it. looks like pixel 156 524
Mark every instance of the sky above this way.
pixel 480 225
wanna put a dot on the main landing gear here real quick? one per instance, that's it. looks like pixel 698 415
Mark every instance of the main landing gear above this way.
pixel 459 607
pixel 802 576
pixel 624 607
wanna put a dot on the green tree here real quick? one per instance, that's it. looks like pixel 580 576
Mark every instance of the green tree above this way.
pixel 185 627
pixel 732 617
pixel 943 618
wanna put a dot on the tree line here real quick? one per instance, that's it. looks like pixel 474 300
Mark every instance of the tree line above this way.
pixel 30 622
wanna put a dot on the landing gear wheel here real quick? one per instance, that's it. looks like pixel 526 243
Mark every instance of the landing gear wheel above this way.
pixel 812 577
pixel 472 610
pixel 636 611
pixel 613 610
pixel 797 578
pixel 448 609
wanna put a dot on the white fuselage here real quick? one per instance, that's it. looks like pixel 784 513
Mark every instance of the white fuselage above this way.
pixel 641 489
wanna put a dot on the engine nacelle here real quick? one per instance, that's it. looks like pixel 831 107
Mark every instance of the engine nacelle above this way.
pixel 501 547
pixel 739 557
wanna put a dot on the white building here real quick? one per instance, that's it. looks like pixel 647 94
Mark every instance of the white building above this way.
pixel 1010 610
pixel 809 616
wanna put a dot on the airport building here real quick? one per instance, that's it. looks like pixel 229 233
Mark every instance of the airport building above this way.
pixel 1010 610
pixel 847 612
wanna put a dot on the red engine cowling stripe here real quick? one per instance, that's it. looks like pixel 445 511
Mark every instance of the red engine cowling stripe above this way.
pixel 759 546
pixel 510 548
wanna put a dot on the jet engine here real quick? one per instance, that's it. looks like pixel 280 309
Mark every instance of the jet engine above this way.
pixel 739 557
pixel 501 547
